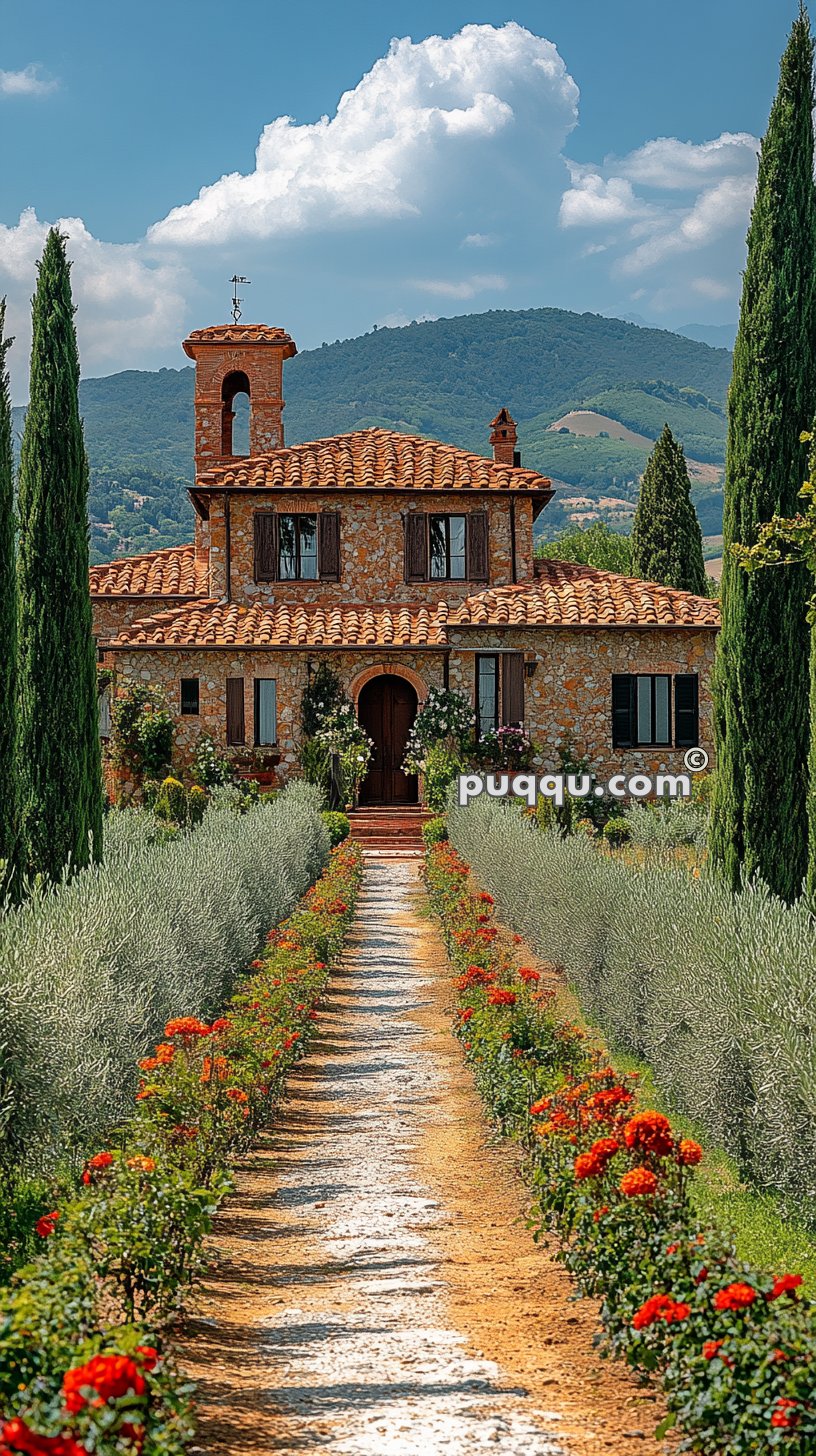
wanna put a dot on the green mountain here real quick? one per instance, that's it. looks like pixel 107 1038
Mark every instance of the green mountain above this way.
pixel 447 379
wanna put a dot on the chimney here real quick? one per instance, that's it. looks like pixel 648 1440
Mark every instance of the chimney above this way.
pixel 503 439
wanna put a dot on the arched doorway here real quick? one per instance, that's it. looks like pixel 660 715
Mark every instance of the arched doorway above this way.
pixel 386 707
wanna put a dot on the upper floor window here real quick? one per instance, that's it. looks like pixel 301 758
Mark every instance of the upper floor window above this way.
pixel 297 547
pixel 446 547
pixel 642 710
pixel 446 539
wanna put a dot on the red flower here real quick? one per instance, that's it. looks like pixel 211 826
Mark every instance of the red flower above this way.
pixel 787 1284
pixel 528 975
pixel 485 898
pixel 599 1213
pixel 735 1296
pixel 712 1348
pixel 497 996
pixel 108 1377
pixel 689 1153
pixel 660 1307
pixel 45 1226
pixel 97 1164
pixel 222 1024
pixel 148 1356
pixel 15 1436
pixel 649 1132
pixel 235 1094
pixel 786 1414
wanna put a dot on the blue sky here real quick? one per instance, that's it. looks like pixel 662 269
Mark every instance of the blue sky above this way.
pixel 586 155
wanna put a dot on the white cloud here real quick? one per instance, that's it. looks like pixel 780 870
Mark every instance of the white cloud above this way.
pixel 394 141
pixel 593 201
pixel 716 211
pixel 28 82
pixel 462 288
pixel 127 302
pixel 478 240
pixel 713 288
pixel 669 163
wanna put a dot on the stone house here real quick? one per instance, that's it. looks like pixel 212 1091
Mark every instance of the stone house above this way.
pixel 410 564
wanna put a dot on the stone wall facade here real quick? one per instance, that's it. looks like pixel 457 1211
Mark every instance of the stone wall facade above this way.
pixel 371 546
pixel 567 698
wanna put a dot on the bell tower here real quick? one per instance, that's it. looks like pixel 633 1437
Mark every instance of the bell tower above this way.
pixel 232 359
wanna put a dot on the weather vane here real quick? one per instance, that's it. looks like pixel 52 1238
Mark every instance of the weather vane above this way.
pixel 236 301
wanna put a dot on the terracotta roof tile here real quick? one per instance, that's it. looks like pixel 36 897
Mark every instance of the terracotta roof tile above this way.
pixel 372 460
pixel 241 334
pixel 279 624
pixel 565 594
pixel 174 572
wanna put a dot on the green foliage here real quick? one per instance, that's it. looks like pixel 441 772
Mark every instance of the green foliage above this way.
pixel 315 765
pixel 211 767
pixel 667 824
pixel 507 749
pixel 142 731
pixel 322 697
pixel 695 420
pixel 712 989
pixel 435 831
pixel 445 718
pixel 196 804
pixel 617 831
pixel 667 545
pixel 8 611
pixel 595 545
pixel 58 749
pixel 172 801
pixel 442 767
pixel 338 825
pixel 158 930
pixel 760 683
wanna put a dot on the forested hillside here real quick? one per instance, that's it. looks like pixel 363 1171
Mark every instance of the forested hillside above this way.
pixel 446 378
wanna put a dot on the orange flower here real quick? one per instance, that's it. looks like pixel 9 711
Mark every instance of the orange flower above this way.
pixel 236 1094
pixel 109 1376
pixel 97 1164
pixel 139 1164
pixel 786 1414
pixel 638 1183
pixel 661 1307
pixel 649 1132
pixel 786 1284
pixel 497 996
pixel 186 1026
pixel 689 1153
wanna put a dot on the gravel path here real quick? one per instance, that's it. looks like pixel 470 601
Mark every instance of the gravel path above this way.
pixel 372 1356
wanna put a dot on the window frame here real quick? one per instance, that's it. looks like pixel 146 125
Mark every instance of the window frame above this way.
pixel 190 712
pixel 298 517
pixel 256 711
pixel 447 517
pixel 480 658
pixel 635 741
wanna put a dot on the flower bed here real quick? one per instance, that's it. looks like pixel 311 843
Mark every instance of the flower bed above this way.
pixel 84 1360
pixel 735 1348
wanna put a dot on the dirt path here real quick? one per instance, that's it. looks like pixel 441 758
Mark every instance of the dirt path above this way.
pixel 374 1289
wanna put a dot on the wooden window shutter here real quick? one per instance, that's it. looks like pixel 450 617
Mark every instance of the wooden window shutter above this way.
pixel 416 546
pixel 623 710
pixel 236 729
pixel 686 710
pixel 512 688
pixel 328 557
pixel 266 546
pixel 478 565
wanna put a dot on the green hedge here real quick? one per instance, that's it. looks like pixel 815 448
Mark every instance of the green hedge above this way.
pixel 717 992
pixel 93 969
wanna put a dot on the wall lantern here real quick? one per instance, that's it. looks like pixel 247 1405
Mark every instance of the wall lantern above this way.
pixel 530 665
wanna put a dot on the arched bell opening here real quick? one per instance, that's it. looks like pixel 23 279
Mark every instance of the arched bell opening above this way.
pixel 235 410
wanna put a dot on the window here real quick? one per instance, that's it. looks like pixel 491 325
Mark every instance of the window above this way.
pixel 236 731
pixel 487 693
pixel 642 710
pixel 266 712
pixel 297 548
pixel 448 560
pixel 189 695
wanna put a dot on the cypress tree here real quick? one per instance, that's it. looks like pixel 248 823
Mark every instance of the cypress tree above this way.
pixel 8 611
pixel 667 543
pixel 58 752
pixel 762 667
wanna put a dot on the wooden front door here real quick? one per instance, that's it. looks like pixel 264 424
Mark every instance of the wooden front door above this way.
pixel 386 709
